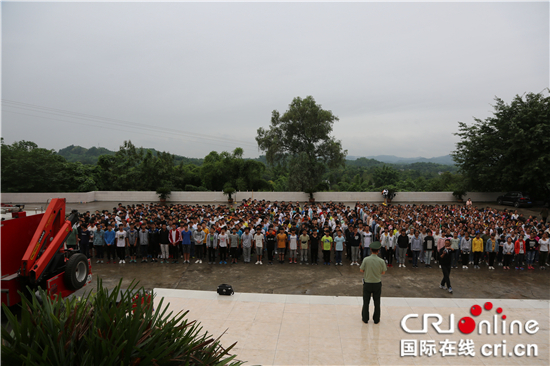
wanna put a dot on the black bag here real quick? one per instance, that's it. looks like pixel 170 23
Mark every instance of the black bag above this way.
pixel 225 289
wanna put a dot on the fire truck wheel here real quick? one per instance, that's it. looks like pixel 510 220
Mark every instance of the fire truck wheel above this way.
pixel 76 271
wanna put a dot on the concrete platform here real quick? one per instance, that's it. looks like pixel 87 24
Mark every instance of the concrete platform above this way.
pixel 279 329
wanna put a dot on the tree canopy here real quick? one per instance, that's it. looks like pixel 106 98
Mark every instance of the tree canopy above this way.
pixel 28 168
pixel 509 150
pixel 300 141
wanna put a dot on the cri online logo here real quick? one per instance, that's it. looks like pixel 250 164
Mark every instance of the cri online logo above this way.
pixel 467 324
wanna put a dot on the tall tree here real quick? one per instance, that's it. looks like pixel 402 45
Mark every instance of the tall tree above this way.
pixel 509 150
pixel 28 168
pixel 385 175
pixel 300 140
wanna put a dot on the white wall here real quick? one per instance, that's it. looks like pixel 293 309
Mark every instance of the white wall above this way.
pixel 217 197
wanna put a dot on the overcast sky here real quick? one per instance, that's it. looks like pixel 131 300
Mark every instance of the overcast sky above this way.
pixel 193 77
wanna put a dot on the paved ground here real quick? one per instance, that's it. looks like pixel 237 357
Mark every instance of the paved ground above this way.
pixel 327 330
pixel 321 280
pixel 328 280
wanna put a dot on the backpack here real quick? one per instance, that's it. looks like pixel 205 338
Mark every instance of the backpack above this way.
pixel 225 289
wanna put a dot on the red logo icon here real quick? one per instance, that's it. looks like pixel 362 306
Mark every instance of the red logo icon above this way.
pixel 467 325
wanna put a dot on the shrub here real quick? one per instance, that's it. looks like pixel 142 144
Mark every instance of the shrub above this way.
pixel 98 330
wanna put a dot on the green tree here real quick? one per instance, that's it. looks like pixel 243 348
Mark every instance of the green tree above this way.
pixel 509 150
pixel 241 174
pixel 385 175
pixel 300 140
pixel 28 168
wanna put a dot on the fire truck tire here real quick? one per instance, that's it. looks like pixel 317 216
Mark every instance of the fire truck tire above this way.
pixel 76 271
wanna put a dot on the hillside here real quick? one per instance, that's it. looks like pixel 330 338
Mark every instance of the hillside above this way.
pixel 391 159
pixel 89 156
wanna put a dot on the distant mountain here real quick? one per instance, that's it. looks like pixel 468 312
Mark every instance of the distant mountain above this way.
pixel 392 159
pixel 90 156
pixel 85 156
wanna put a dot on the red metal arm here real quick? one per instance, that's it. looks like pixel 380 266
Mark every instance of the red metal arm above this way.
pixel 47 240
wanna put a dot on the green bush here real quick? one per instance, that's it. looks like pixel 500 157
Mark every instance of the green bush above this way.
pixel 98 330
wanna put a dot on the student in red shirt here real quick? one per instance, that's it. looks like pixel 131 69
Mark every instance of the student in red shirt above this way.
pixel 175 241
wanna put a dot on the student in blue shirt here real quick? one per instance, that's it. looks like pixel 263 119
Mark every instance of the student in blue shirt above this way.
pixel 99 243
pixel 186 243
pixel 339 241
pixel 109 237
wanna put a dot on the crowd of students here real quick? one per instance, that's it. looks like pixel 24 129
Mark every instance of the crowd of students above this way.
pixel 309 233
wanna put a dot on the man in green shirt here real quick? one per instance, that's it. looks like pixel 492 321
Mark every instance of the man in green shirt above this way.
pixel 372 267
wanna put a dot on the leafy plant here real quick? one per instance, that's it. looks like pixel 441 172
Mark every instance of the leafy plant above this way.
pixel 310 191
pixel 164 192
pixel 99 330
pixel 458 193
pixel 228 190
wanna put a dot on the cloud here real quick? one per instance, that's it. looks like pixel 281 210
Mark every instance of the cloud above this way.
pixel 399 75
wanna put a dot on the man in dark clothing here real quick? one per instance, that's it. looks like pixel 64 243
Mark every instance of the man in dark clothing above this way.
pixel 403 245
pixel 84 240
pixel 270 239
pixel 154 242
pixel 445 256
pixel 314 246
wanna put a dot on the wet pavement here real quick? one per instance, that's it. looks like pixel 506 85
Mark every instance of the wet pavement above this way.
pixel 327 280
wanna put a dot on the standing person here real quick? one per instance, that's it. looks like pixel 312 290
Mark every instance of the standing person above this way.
pixel 326 242
pixel 199 235
pixel 109 237
pixel 164 240
pixel 519 249
pixel 445 258
pixel 314 244
pixel 354 243
pixel 132 242
pixel 154 242
pixel 544 244
pixel 507 250
pixel 491 247
pixel 367 239
pixel 143 237
pixel 234 249
pixel 121 243
pixel 84 240
pixel 259 244
pixel 339 243
pixel 532 246
pixel 455 244
pixel 211 244
pixel 281 244
pixel 186 236
pixel 477 249
pixel 246 240
pixel 465 247
pixel 372 267
pixel 270 239
pixel 99 243
pixel 223 241
pixel 416 248
pixel 175 243
pixel 429 244
pixel 304 246
pixel 403 245
pixel 293 245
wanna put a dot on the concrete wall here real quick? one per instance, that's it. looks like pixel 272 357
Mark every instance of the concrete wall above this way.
pixel 216 197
